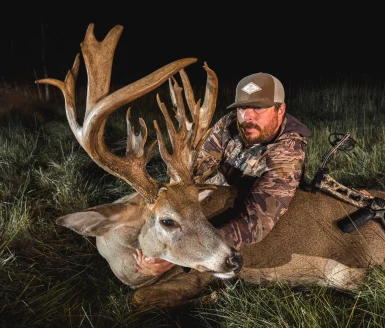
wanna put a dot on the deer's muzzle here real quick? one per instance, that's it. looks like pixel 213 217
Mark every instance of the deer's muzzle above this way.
pixel 232 266
pixel 235 262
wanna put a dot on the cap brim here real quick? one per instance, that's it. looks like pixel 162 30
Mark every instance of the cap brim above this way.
pixel 252 104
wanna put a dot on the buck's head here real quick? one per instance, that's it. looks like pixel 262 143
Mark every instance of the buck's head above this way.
pixel 167 221
pixel 179 231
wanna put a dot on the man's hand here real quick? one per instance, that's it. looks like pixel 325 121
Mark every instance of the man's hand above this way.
pixel 151 265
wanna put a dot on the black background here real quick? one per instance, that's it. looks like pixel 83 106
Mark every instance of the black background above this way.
pixel 238 39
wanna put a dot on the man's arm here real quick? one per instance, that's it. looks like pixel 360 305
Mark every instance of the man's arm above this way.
pixel 270 196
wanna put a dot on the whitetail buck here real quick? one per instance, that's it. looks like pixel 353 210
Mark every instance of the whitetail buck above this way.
pixel 171 221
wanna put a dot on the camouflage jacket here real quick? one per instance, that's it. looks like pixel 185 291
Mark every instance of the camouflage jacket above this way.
pixel 265 175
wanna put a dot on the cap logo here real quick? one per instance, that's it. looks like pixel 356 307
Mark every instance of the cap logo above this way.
pixel 250 88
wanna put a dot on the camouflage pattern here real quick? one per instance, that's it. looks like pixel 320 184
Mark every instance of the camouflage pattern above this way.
pixel 265 175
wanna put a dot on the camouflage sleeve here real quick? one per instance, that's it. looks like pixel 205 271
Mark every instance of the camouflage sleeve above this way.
pixel 270 195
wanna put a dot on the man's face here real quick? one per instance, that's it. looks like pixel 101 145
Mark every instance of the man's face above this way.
pixel 259 125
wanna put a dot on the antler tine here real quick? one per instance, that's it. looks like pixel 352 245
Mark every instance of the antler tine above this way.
pixel 68 89
pixel 98 57
pixel 203 115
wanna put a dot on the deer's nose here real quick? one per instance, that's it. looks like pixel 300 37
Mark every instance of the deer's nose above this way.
pixel 234 262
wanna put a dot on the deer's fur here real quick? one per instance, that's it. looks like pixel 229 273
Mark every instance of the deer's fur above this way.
pixel 171 221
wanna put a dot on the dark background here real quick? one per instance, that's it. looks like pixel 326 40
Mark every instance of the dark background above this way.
pixel 292 43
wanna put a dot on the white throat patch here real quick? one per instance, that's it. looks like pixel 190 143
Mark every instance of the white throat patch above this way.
pixel 250 88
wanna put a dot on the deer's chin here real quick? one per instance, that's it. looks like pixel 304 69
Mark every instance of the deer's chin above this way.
pixel 228 275
pixel 221 275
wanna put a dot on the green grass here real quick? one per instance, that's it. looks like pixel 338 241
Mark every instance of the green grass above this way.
pixel 53 277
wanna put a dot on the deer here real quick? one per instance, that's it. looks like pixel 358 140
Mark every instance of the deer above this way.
pixel 172 220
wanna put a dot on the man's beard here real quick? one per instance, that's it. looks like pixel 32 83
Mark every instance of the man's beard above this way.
pixel 265 135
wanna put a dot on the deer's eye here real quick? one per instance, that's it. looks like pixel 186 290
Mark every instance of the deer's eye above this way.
pixel 169 223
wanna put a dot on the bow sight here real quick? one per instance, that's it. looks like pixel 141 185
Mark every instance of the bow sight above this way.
pixel 370 207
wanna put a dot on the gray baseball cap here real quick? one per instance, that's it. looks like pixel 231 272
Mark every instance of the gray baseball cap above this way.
pixel 259 90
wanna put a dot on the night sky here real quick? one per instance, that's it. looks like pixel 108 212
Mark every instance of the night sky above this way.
pixel 235 41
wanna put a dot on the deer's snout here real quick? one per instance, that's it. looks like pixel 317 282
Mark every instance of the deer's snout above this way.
pixel 234 262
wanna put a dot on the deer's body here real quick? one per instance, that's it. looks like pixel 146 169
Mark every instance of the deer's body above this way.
pixel 172 221
pixel 308 232
pixel 304 248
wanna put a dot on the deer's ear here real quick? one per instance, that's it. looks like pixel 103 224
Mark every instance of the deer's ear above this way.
pixel 216 199
pixel 98 220
pixel 204 193
pixel 88 223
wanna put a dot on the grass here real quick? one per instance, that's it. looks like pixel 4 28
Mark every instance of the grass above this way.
pixel 53 277
pixel 280 305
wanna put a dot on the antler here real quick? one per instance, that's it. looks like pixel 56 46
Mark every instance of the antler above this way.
pixel 98 57
pixel 187 141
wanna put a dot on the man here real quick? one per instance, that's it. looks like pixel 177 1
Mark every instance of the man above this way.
pixel 257 148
